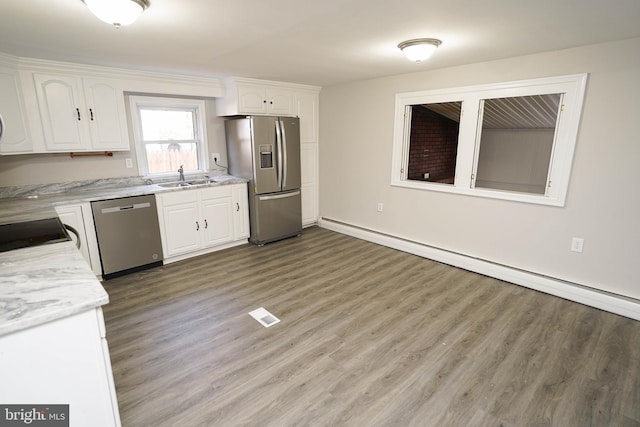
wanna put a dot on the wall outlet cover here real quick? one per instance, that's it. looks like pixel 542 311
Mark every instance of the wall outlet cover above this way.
pixel 577 244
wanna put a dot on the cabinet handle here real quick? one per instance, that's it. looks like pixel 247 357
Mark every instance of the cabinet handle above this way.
pixel 206 225
pixel 91 111
pixel 1 127
pixel 197 226
pixel 78 113
pixel 264 101
pixel 237 207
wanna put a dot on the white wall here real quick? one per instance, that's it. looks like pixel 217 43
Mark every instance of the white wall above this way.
pixel 515 159
pixel 50 168
pixel 603 202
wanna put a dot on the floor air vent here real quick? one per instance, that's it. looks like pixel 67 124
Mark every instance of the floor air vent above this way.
pixel 264 317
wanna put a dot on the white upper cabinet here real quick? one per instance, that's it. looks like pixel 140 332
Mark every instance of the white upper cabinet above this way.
pixel 262 97
pixel 81 114
pixel 14 134
pixel 261 100
pixel 107 115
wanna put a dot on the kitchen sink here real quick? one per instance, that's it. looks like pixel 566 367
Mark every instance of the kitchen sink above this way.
pixel 190 183
pixel 175 184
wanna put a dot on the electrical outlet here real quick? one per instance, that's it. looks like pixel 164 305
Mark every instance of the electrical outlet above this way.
pixel 215 157
pixel 128 163
pixel 380 207
pixel 577 244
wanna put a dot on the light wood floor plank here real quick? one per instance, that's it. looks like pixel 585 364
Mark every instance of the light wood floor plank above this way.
pixel 368 336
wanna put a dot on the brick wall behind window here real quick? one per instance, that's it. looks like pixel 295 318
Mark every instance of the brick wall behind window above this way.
pixel 433 146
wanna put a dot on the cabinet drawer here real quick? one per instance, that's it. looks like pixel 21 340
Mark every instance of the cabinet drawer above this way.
pixel 179 197
pixel 215 192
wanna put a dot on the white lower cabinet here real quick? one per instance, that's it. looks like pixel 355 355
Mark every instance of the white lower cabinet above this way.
pixel 217 216
pixel 81 219
pixel 196 219
pixel 65 361
pixel 240 212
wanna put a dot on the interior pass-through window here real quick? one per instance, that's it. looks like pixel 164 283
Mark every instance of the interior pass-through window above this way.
pixel 512 141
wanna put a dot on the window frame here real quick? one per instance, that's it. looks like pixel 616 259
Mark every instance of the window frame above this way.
pixel 136 102
pixel 571 86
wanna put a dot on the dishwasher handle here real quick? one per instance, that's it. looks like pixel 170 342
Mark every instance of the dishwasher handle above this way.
pixel 114 209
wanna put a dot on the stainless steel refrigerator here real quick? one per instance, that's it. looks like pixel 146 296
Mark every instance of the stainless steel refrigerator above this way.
pixel 266 151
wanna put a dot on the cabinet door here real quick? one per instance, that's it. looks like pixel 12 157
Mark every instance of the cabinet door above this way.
pixel 240 212
pixel 62 361
pixel 307 110
pixel 106 115
pixel 279 102
pixel 179 225
pixel 252 100
pixel 309 187
pixel 72 215
pixel 217 215
pixel 14 137
pixel 62 112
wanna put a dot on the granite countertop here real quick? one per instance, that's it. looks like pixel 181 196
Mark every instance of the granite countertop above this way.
pixel 44 283
pixel 28 203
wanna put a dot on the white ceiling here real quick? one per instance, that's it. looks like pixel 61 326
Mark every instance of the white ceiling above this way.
pixel 322 42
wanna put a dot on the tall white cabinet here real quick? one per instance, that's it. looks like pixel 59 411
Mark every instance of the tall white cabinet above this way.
pixel 262 97
pixel 306 103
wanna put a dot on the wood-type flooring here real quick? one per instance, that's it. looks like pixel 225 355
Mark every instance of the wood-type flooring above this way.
pixel 369 336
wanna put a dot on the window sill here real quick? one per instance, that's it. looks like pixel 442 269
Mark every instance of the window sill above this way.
pixel 481 192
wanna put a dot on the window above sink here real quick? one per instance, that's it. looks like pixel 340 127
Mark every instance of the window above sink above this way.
pixel 169 133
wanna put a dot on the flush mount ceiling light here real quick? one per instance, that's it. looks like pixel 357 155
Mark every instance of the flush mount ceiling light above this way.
pixel 419 49
pixel 117 12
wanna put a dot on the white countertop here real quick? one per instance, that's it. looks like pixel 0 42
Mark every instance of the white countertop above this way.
pixel 45 283
pixel 40 206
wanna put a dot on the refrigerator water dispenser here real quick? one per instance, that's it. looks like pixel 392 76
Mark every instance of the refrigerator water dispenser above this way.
pixel 266 156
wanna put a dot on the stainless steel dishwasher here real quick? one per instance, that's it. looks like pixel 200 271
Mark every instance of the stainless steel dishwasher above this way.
pixel 128 234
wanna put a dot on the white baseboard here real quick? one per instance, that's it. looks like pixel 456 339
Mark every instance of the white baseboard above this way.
pixel 602 300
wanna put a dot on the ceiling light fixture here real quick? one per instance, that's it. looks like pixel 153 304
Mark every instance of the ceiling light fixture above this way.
pixel 419 49
pixel 117 12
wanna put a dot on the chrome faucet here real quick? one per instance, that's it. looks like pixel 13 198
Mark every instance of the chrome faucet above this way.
pixel 181 172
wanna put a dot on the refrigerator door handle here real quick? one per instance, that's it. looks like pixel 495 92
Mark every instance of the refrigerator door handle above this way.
pixel 279 171
pixel 280 196
pixel 284 153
